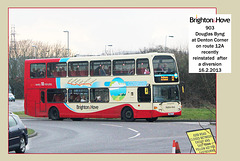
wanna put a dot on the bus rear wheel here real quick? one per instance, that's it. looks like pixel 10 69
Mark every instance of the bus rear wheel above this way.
pixel 54 114
pixel 127 114
pixel 152 119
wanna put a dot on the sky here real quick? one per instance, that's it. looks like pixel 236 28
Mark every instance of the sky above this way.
pixel 94 30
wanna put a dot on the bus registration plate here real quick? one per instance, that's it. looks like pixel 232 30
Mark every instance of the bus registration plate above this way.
pixel 170 114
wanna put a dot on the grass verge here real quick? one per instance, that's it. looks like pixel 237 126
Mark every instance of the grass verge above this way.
pixel 194 114
pixel 30 131
pixel 21 114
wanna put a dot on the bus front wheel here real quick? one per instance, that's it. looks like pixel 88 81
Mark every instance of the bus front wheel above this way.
pixel 54 114
pixel 127 114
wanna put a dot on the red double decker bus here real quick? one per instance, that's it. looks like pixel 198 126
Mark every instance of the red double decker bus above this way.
pixel 127 87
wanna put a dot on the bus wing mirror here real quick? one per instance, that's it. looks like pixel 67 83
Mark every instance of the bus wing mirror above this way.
pixel 182 87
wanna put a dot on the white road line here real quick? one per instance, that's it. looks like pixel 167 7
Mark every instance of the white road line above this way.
pixel 138 133
pixel 111 125
pixel 134 136
pixel 133 130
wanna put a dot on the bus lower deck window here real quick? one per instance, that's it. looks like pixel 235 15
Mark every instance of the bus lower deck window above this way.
pixel 56 95
pixel 99 95
pixel 78 95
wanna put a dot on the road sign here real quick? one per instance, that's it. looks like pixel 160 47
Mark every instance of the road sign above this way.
pixel 202 140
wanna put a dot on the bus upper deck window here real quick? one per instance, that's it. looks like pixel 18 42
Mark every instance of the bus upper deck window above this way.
pixel 38 70
pixel 56 70
pixel 124 67
pixel 100 68
pixel 143 67
pixel 164 64
pixel 165 69
pixel 78 69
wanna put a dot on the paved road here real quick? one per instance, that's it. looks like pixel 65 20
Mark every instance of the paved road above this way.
pixel 110 136
pixel 16 106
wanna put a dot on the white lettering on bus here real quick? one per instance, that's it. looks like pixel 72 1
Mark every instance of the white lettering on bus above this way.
pixel 84 107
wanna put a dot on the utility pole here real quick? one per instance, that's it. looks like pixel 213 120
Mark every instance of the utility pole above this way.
pixel 67 41
pixel 166 41
pixel 106 52
pixel 13 50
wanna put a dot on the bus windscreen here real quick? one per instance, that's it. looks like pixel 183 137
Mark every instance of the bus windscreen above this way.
pixel 165 69
pixel 166 93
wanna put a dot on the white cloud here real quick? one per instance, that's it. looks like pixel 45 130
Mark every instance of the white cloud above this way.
pixel 118 85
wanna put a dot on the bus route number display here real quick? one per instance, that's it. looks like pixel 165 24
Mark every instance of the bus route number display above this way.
pixel 210 43
pixel 202 140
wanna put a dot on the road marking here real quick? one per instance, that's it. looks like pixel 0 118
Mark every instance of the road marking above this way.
pixel 134 136
pixel 138 133
pixel 133 130
pixel 111 125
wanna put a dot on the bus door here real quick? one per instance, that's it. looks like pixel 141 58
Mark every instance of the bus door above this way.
pixel 144 97
pixel 43 100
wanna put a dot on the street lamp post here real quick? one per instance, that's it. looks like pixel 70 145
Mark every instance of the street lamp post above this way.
pixel 46 54
pixel 67 41
pixel 106 49
pixel 166 40
pixel 35 48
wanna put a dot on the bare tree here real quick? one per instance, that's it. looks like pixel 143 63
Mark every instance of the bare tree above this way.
pixel 24 50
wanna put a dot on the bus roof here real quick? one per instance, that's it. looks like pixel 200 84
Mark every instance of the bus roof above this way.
pixel 101 57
